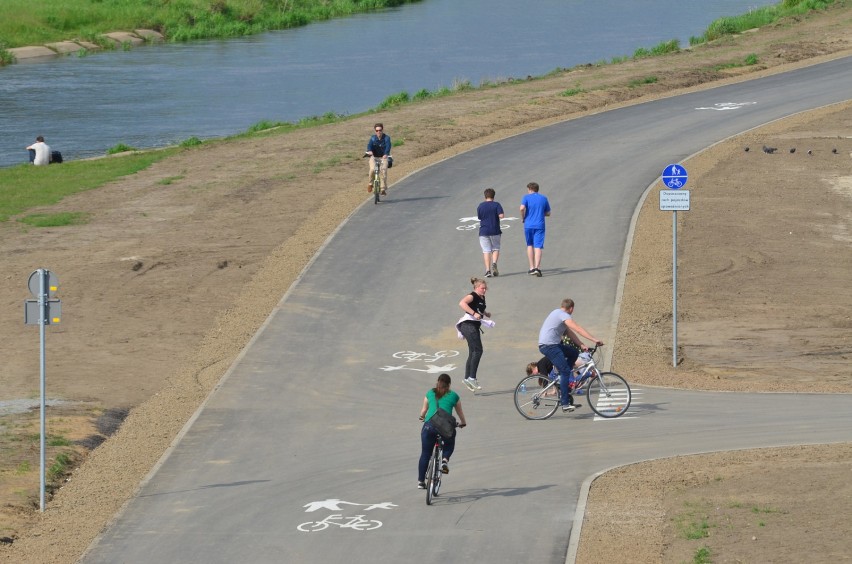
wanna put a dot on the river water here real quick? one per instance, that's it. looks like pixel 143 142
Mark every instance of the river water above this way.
pixel 163 94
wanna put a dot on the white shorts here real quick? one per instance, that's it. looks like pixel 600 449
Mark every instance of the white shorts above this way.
pixel 489 243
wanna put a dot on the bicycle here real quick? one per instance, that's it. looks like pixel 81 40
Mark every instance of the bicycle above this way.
pixel 376 178
pixel 433 471
pixel 539 396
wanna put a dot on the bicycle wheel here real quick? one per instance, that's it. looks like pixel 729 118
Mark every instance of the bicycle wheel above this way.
pixel 609 395
pixel 534 400
pixel 377 188
pixel 436 483
pixel 430 478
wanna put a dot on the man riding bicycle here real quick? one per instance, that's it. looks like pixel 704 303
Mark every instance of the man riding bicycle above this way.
pixel 379 147
pixel 551 345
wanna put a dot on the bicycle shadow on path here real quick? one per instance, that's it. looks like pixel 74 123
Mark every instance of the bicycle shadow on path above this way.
pixel 469 496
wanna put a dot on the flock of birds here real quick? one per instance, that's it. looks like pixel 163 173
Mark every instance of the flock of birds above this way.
pixel 770 150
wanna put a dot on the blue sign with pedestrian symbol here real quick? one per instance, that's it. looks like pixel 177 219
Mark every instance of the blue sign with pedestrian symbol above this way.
pixel 674 176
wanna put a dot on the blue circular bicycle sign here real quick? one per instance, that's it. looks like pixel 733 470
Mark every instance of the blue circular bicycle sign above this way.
pixel 674 176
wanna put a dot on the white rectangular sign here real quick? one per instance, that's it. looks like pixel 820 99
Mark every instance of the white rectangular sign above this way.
pixel 674 200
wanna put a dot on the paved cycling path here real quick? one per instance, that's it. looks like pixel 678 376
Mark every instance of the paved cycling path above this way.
pixel 318 419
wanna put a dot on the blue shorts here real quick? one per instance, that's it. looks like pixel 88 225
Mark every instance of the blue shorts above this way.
pixel 534 237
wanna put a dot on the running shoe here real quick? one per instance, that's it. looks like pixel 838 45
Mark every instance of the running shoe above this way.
pixel 445 467
pixel 421 485
pixel 494 270
pixel 488 274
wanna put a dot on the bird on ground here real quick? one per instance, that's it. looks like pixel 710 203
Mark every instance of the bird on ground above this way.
pixel 810 152
pixel 834 150
pixel 769 150
pixel 792 149
pixel 746 149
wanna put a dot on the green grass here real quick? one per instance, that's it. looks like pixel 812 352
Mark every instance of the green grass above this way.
pixel 168 180
pixel 24 187
pixel 120 148
pixel 34 23
pixel 702 556
pixel 61 219
pixel 641 81
pixel 59 467
pixel 693 523
pixel 57 441
pixel 759 18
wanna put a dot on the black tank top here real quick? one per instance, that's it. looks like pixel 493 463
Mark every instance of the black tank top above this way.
pixel 477 305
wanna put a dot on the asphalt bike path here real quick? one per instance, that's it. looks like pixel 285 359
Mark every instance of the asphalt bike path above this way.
pixel 307 452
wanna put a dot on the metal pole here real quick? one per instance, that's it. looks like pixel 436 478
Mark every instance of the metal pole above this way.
pixel 42 305
pixel 674 289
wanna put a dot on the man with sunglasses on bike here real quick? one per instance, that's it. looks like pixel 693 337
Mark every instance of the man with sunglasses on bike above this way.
pixel 379 147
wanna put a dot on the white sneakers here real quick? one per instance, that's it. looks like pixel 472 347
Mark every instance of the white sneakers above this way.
pixel 472 384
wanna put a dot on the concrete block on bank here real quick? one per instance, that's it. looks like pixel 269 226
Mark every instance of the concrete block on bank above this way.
pixel 88 46
pixel 122 37
pixel 150 35
pixel 64 47
pixel 35 52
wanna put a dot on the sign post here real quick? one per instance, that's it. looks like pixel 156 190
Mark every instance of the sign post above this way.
pixel 42 311
pixel 674 200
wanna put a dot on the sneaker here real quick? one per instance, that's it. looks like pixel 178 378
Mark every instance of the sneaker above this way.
pixel 531 271
pixel 445 468
pixel 472 384
pixel 488 274
pixel 538 272
pixel 494 270
pixel 421 485
pixel 568 408
pixel 384 192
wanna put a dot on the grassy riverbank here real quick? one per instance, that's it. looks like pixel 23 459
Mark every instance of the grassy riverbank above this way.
pixel 35 23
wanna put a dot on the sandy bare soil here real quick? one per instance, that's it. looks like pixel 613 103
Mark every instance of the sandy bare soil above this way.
pixel 170 279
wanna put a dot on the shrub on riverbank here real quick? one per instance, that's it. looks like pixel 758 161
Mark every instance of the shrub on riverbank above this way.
pixel 35 23
pixel 761 17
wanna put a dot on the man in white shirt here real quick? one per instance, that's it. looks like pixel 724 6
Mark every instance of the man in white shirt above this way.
pixel 42 151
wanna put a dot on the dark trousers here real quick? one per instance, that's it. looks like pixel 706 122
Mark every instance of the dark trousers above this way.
pixel 563 358
pixel 471 332
pixel 428 434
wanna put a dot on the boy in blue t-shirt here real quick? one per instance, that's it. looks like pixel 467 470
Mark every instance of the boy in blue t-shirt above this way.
pixel 490 213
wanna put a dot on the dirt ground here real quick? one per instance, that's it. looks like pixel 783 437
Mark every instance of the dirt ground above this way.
pixel 181 263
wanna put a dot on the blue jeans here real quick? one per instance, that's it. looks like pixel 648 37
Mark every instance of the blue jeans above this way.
pixel 428 434
pixel 563 358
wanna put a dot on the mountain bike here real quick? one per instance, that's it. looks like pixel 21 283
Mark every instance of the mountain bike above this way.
pixel 539 396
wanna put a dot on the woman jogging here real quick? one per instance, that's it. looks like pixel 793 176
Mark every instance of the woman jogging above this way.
pixel 439 396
